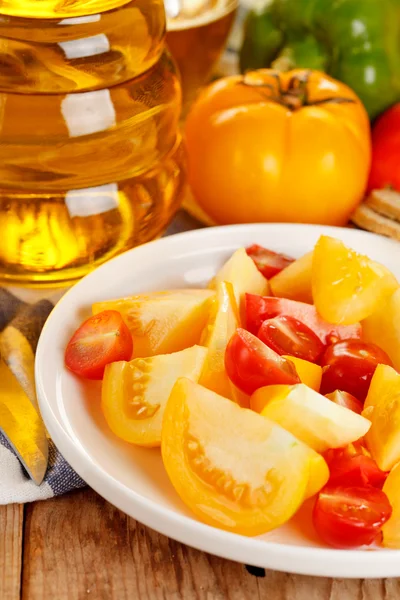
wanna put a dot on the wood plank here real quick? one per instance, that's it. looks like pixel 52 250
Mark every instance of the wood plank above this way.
pixel 11 528
pixel 79 547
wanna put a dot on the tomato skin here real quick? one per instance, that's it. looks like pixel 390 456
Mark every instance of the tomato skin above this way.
pixel 287 335
pixel 261 308
pixel 386 151
pixel 269 263
pixel 354 470
pixel 347 400
pixel 349 366
pixel 251 151
pixel 250 364
pixel 100 340
pixel 349 517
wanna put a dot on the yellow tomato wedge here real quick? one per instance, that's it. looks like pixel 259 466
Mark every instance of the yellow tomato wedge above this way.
pixel 314 419
pixel 319 475
pixel 391 529
pixel 319 472
pixel 244 276
pixel 309 373
pixel 347 287
pixel 382 407
pixel 383 328
pixel 223 322
pixel 134 394
pixel 294 281
pixel 235 469
pixel 269 393
pixel 163 322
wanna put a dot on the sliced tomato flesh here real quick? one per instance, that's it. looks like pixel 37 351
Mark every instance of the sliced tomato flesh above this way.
pixel 99 341
pixel 269 263
pixel 349 366
pixel 287 335
pixel 349 517
pixel 356 470
pixel 261 308
pixel 347 400
pixel 251 364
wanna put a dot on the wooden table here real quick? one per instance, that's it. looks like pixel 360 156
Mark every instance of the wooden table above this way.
pixel 80 547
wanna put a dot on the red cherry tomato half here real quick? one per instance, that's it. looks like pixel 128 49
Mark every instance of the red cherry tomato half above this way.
pixel 350 365
pixel 100 340
pixel 347 400
pixel 261 308
pixel 287 335
pixel 354 470
pixel 250 364
pixel 267 262
pixel 348 517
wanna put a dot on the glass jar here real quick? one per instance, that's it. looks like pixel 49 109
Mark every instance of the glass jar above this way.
pixel 91 162
pixel 197 40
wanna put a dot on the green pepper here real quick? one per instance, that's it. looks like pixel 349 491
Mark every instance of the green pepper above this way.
pixel 355 41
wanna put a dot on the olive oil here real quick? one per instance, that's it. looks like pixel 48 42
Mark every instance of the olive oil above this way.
pixel 90 157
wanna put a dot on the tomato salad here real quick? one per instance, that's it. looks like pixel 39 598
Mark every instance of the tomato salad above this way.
pixel 276 385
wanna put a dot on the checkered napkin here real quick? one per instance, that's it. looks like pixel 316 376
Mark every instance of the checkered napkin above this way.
pixel 22 316
pixel 20 326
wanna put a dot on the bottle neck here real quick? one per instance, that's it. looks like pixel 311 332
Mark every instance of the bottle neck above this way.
pixel 56 9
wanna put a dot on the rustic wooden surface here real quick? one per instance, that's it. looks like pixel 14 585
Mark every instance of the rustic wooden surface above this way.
pixel 80 547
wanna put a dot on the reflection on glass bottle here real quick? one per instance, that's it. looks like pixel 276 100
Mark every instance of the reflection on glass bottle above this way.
pixel 197 34
pixel 90 159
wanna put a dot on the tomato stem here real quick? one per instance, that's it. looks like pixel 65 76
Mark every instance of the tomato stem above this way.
pixel 297 94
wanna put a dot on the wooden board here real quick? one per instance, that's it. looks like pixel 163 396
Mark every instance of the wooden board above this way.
pixel 11 528
pixel 79 546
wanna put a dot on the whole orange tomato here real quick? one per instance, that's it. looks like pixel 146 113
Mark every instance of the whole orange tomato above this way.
pixel 271 146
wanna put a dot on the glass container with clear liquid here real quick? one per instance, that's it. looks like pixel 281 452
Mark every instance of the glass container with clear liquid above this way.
pixel 91 162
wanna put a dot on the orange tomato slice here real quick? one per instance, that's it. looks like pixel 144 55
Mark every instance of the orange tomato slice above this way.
pixel 134 394
pixel 163 322
pixel 235 469
pixel 347 286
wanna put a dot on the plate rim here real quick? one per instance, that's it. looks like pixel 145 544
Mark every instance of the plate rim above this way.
pixel 303 560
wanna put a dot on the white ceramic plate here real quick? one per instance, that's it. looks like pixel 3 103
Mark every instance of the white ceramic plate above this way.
pixel 132 478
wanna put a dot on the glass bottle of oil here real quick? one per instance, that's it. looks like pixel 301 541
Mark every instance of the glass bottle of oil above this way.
pixel 90 157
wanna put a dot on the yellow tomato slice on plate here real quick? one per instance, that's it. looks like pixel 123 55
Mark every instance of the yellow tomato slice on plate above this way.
pixel 318 422
pixel 294 281
pixel 235 469
pixel 269 393
pixel 383 328
pixel 319 472
pixel 347 286
pixel 134 394
pixel 391 529
pixel 163 322
pixel 223 322
pixel 382 407
pixel 319 475
pixel 309 373
pixel 244 276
